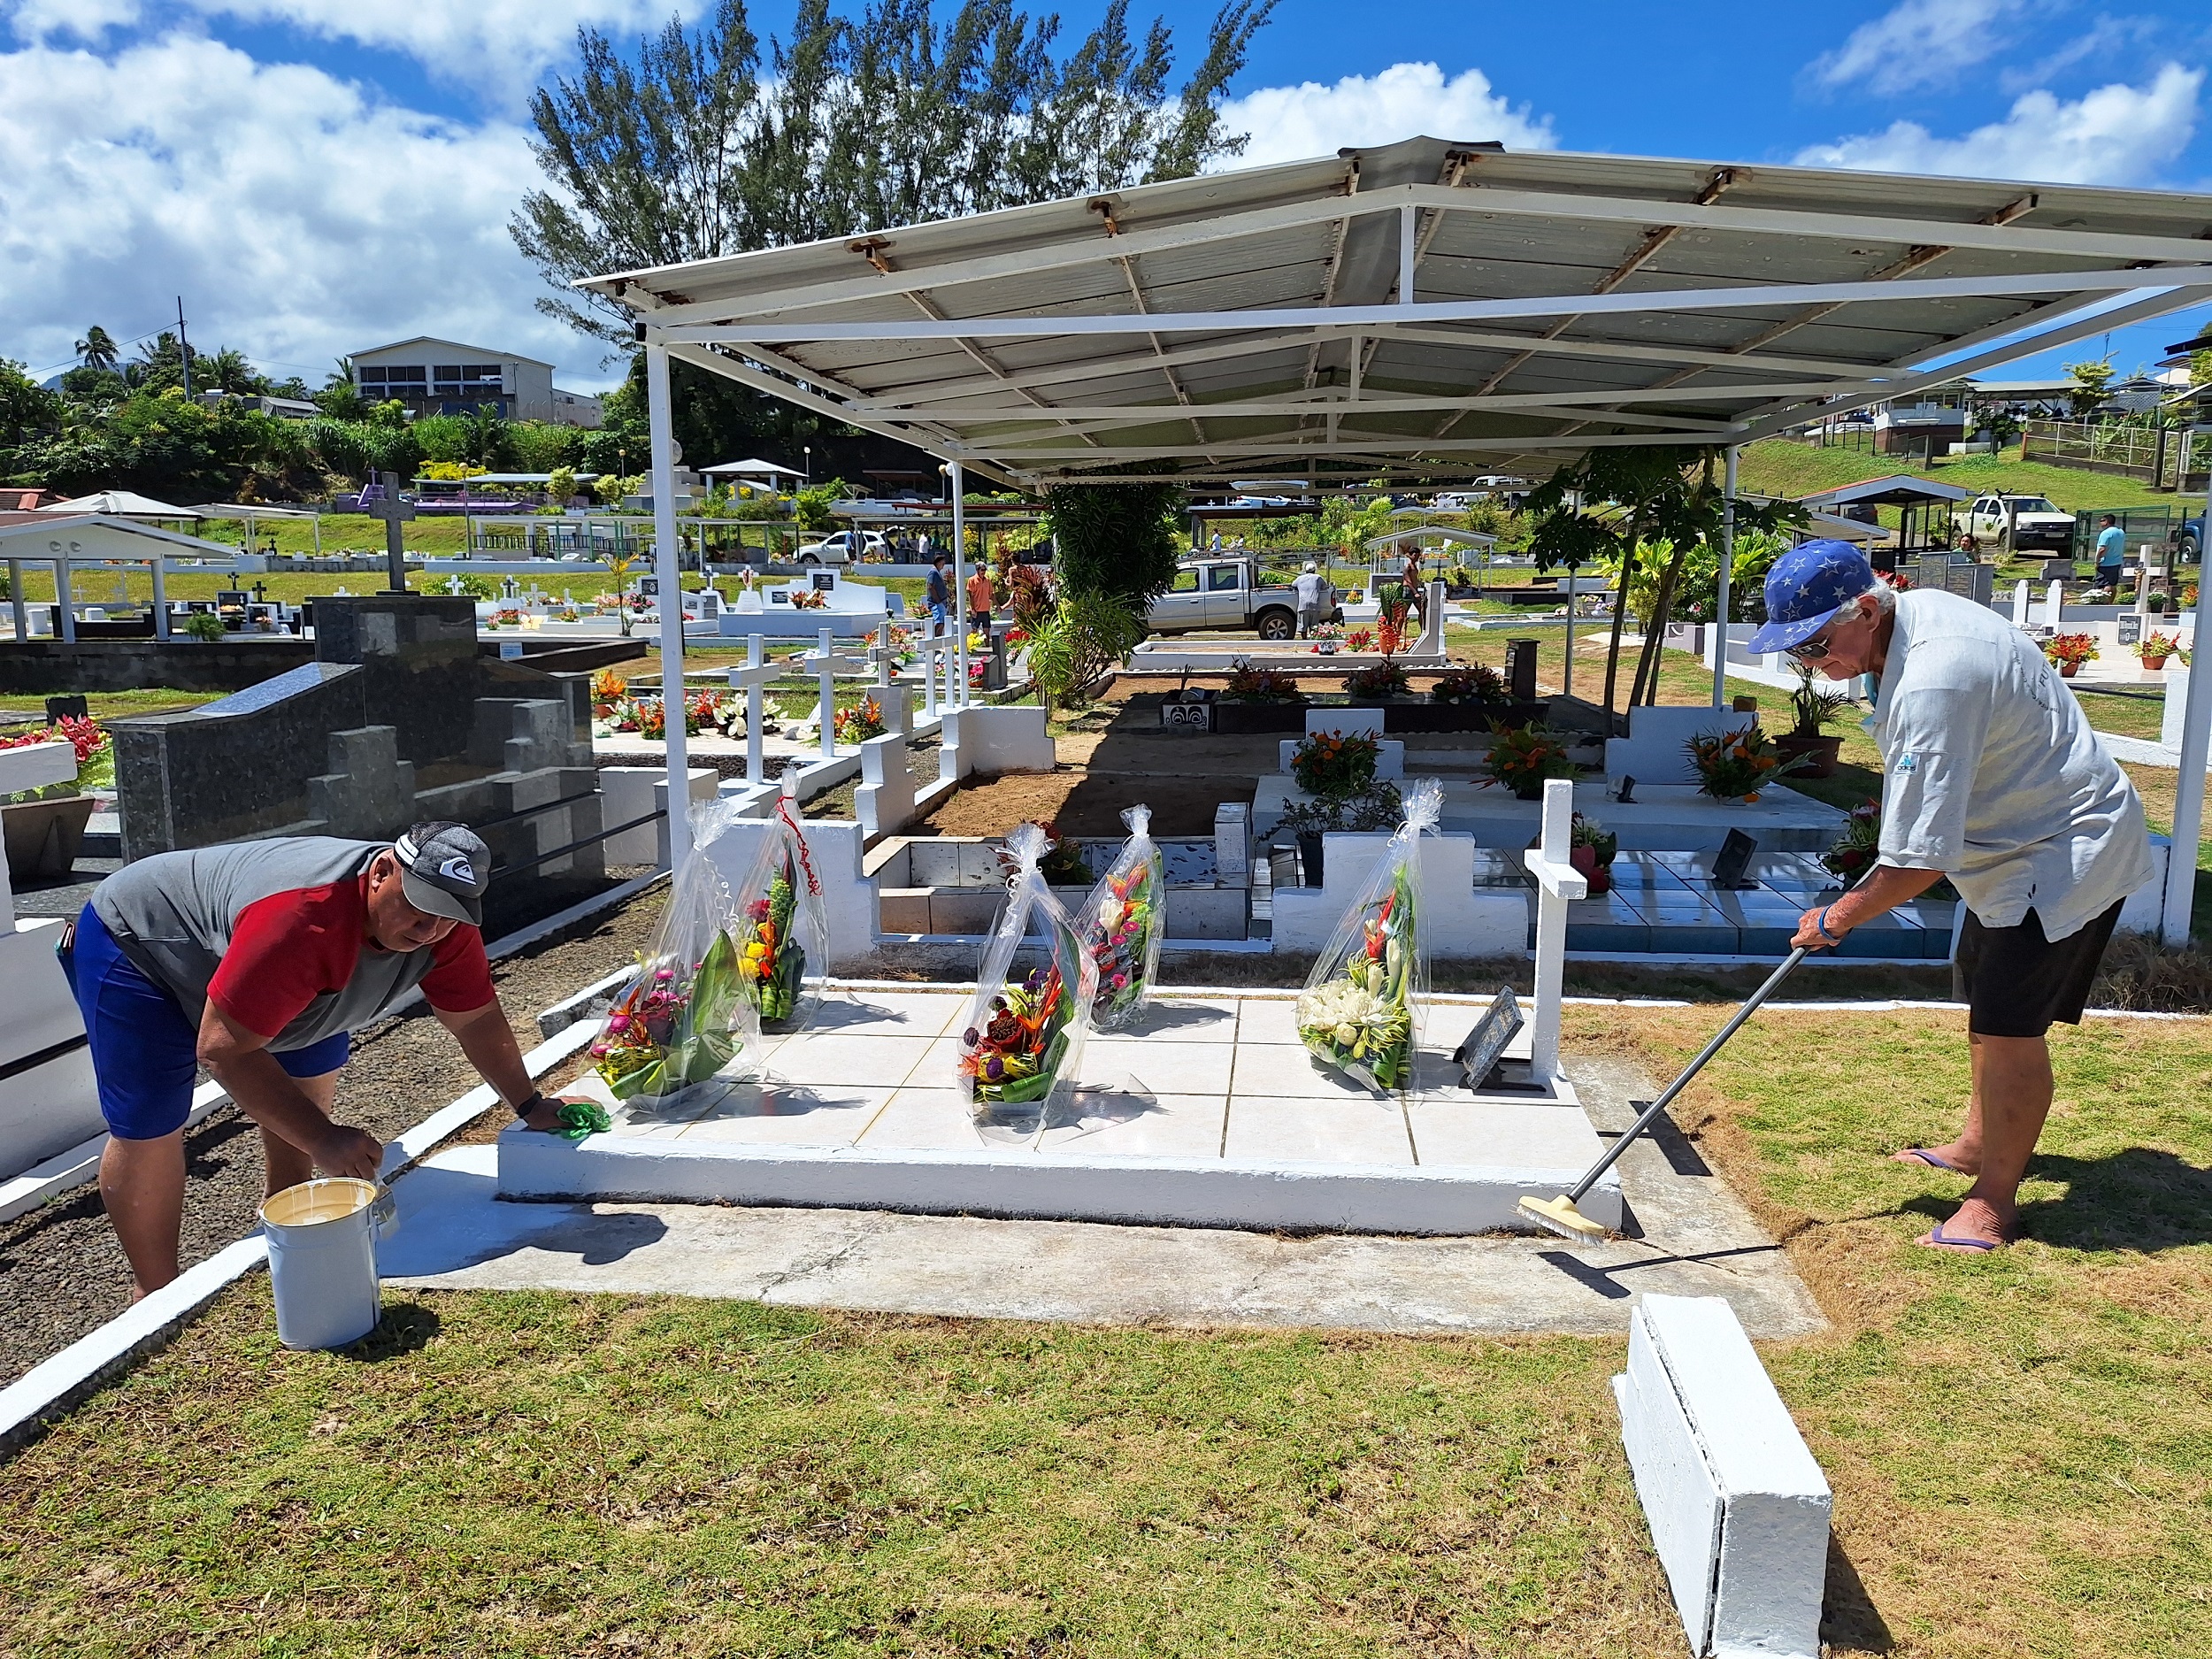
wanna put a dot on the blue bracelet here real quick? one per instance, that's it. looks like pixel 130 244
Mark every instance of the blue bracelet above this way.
pixel 1821 927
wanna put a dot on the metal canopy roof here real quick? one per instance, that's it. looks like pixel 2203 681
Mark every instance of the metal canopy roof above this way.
pixel 1899 489
pixel 1424 309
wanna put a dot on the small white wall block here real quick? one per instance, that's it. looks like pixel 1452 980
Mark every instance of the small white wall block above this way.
pixel 1457 918
pixel 1657 748
pixel 50 1106
pixel 2054 600
pixel 1390 755
pixel 983 737
pixel 848 897
pixel 884 804
pixel 1739 1509
pixel 2020 603
pixel 2144 908
pixel 1233 843
pixel 1344 721
pixel 2170 723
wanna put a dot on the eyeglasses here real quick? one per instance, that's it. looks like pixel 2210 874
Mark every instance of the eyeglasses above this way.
pixel 1813 650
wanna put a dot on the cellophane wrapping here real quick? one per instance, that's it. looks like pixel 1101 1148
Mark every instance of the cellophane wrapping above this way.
pixel 1023 1035
pixel 1361 1010
pixel 1122 922
pixel 783 931
pixel 683 1018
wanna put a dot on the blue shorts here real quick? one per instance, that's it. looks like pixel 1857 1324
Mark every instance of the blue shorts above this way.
pixel 145 1052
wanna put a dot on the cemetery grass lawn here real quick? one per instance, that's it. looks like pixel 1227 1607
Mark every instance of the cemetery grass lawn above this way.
pixel 2017 1443
pixel 110 705
pixel 1777 466
pixel 2020 1444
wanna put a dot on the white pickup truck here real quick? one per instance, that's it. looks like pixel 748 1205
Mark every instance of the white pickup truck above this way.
pixel 846 546
pixel 1225 593
pixel 2014 523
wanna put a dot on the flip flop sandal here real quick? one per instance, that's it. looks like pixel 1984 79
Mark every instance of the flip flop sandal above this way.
pixel 1934 1162
pixel 1935 1238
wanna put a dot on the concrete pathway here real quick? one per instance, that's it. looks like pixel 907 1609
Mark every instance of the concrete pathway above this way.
pixel 1698 1240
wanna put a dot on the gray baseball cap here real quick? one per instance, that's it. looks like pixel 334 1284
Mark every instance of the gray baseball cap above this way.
pixel 445 868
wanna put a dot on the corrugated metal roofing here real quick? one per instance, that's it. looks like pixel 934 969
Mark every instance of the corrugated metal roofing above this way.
pixel 1253 322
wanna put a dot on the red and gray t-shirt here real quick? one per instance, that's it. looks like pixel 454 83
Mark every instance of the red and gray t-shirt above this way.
pixel 275 934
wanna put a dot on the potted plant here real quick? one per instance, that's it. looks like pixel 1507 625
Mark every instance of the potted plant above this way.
pixel 2069 651
pixel 42 829
pixel 1247 684
pixel 1332 762
pixel 1814 750
pixel 1378 680
pixel 2157 648
pixel 1859 845
pixel 1477 683
pixel 1590 849
pixel 1371 809
pixel 1523 758
pixel 1736 765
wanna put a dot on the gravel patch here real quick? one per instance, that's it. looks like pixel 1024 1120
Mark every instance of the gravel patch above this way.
pixel 62 1273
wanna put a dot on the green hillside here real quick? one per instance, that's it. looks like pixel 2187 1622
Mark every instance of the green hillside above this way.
pixel 1781 467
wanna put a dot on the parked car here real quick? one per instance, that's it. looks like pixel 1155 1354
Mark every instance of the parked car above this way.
pixel 846 547
pixel 2014 523
pixel 2188 538
pixel 1228 593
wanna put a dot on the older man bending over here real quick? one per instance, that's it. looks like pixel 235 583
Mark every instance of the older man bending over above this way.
pixel 1993 778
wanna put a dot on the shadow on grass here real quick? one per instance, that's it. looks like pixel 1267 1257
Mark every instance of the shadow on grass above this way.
pixel 1849 1621
pixel 407 1327
pixel 2141 1199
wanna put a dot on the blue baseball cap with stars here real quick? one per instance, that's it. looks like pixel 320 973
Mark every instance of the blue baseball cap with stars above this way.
pixel 1806 586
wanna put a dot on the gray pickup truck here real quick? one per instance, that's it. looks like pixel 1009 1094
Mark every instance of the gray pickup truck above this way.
pixel 1225 593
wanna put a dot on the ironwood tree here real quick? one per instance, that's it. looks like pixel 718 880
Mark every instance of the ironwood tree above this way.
pixel 693 147
pixel 1640 509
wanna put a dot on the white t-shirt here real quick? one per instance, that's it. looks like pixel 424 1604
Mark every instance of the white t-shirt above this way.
pixel 1992 776
pixel 1312 591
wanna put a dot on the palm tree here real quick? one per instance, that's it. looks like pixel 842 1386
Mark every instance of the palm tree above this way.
pixel 97 349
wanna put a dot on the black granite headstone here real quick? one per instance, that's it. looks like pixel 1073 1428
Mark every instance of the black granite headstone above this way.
pixel 1733 859
pixel 1478 1056
pixel 1520 670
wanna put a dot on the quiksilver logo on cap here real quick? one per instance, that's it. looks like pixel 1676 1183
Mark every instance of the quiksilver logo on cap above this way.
pixel 458 870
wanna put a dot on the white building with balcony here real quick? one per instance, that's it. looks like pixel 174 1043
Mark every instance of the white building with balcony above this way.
pixel 445 377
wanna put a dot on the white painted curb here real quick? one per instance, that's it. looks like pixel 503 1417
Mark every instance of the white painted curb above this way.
pixel 1738 1507
pixel 51 1387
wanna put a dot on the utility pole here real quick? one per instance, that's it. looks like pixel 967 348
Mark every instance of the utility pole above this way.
pixel 184 350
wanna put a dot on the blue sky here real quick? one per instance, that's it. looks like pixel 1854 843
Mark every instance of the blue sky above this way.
pixel 316 176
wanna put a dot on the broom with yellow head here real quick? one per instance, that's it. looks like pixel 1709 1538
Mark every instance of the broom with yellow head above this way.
pixel 1559 1214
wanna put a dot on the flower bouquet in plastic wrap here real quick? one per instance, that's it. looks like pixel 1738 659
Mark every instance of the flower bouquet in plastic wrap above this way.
pixel 1025 1032
pixel 782 931
pixel 1361 1010
pixel 1122 922
pixel 684 1016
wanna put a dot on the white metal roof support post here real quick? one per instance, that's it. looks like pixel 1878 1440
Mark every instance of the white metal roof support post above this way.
pixel 2196 738
pixel 668 565
pixel 959 585
pixel 66 605
pixel 1727 564
pixel 161 597
pixel 16 602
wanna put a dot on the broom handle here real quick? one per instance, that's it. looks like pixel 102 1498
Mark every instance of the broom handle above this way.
pixel 1652 1111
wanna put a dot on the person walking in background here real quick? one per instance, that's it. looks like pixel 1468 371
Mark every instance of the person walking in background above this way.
pixel 979 601
pixel 1315 598
pixel 2112 553
pixel 1410 580
pixel 940 595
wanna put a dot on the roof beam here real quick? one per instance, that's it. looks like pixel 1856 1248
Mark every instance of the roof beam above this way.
pixel 1751 298
pixel 636 288
pixel 1328 400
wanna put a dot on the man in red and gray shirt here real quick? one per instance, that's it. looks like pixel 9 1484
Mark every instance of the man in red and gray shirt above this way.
pixel 256 960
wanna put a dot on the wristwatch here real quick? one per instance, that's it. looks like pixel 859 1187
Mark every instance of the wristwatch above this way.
pixel 523 1109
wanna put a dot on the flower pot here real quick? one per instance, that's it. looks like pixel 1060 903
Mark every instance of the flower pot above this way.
pixel 1309 858
pixel 1585 859
pixel 2155 662
pixel 1818 754
pixel 2066 670
pixel 1530 789
pixel 42 836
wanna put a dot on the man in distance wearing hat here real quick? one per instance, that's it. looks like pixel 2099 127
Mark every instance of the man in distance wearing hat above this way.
pixel 1992 777
pixel 255 959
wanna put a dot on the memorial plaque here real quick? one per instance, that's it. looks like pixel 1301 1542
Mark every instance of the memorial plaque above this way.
pixel 2130 630
pixel 1735 856
pixel 824 581
pixel 1477 1056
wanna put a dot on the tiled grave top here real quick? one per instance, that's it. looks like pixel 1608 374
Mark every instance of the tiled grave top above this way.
pixel 1211 1111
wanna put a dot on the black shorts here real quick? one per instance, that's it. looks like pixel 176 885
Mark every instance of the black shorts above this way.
pixel 2014 982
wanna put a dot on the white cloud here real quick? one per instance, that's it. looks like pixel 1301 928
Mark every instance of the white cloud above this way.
pixel 1919 44
pixel 299 217
pixel 2117 134
pixel 503 46
pixel 1298 123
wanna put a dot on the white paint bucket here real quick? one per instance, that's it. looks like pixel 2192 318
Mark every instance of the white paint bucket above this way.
pixel 322 1259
